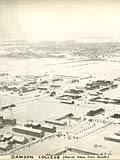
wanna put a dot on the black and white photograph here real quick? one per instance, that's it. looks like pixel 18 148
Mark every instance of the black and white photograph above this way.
pixel 59 79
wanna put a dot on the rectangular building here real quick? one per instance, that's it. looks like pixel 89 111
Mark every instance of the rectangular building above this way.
pixel 113 138
pixel 56 122
pixel 48 128
pixel 29 131
pixel 20 140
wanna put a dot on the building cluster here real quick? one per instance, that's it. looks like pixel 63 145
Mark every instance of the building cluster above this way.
pixel 98 84
pixel 8 141
pixel 66 90
pixel 44 127
pixel 105 100
pixel 58 86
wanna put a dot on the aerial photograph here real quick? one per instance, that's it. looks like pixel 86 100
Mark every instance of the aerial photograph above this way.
pixel 59 78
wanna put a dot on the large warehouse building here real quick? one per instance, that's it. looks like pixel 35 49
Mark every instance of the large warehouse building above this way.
pixel 29 131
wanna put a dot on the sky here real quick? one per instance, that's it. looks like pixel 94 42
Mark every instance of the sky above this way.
pixel 81 20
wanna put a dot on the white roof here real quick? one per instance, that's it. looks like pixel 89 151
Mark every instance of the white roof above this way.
pixel 28 129
pixel 35 123
pixel 29 122
pixel 12 86
pixel 32 123
pixel 55 121
pixel 7 135
pixel 18 138
pixel 47 126
pixel 113 136
pixel 3 145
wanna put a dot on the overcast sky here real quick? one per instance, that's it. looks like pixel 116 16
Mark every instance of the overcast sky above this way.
pixel 60 20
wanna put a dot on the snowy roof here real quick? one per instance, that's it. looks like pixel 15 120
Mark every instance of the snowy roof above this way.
pixel 113 136
pixel 35 123
pixel 47 126
pixel 18 138
pixel 7 135
pixel 3 145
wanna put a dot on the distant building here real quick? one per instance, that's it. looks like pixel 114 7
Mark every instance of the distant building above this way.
pixel 67 101
pixel 97 84
pixel 28 90
pixel 114 86
pixel 73 96
pixel 44 82
pixel 116 116
pixel 8 106
pixel 56 122
pixel 56 79
pixel 104 89
pixel 91 86
pixel 75 80
pixel 75 91
pixel 55 86
pixel 42 88
pixel 28 124
pixel 113 138
pixel 10 88
pixel 95 112
pixel 52 94
pixel 103 82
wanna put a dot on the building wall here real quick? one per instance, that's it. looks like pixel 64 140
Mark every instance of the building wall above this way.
pixel 31 133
